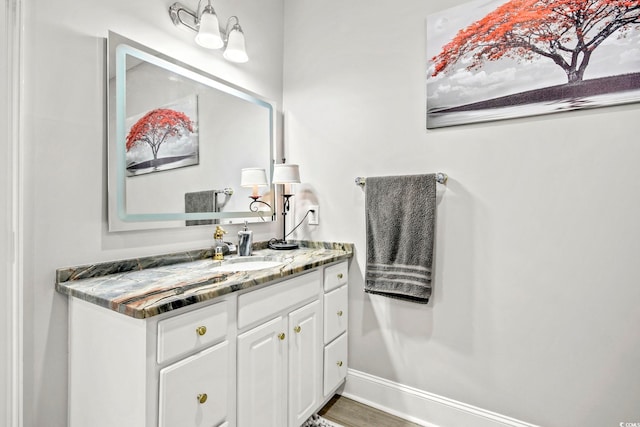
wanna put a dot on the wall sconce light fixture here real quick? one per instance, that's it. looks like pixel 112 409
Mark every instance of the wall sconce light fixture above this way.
pixel 210 36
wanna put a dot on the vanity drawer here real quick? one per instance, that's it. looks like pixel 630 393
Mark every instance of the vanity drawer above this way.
pixel 264 303
pixel 193 391
pixel 335 313
pixel 335 276
pixel 335 363
pixel 191 331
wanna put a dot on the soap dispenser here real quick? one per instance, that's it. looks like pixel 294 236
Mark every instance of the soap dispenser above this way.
pixel 245 241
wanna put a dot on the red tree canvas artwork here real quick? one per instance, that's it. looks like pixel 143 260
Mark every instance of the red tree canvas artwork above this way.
pixel 525 57
pixel 156 126
pixel 166 129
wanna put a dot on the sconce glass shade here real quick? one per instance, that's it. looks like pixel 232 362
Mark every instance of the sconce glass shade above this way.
pixel 286 174
pixel 253 176
pixel 209 30
pixel 236 50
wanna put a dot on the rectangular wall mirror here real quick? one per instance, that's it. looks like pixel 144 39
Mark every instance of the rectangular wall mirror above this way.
pixel 178 140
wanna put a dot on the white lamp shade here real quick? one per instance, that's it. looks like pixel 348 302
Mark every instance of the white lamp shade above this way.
pixel 209 32
pixel 286 174
pixel 253 177
pixel 236 50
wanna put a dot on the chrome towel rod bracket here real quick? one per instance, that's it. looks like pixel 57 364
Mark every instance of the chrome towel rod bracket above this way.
pixel 441 178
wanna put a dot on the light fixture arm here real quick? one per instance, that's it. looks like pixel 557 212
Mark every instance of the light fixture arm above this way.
pixel 227 30
pixel 177 11
pixel 208 8
pixel 253 206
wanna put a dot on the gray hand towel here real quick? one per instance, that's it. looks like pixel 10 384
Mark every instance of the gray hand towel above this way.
pixel 199 201
pixel 400 215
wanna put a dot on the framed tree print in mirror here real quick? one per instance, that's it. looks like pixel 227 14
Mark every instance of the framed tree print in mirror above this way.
pixel 163 138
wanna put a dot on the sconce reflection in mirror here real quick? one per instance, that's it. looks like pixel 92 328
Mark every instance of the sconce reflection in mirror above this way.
pixel 210 35
pixel 254 178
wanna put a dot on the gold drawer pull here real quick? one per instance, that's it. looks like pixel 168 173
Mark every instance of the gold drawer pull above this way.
pixel 202 397
pixel 340 275
pixel 281 336
pixel 201 330
pixel 339 363
pixel 297 329
pixel 340 313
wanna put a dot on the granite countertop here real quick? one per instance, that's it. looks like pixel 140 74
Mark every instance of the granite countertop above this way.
pixel 146 287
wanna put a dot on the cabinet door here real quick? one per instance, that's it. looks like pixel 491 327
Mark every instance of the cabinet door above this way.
pixel 335 364
pixel 261 375
pixel 193 391
pixel 305 355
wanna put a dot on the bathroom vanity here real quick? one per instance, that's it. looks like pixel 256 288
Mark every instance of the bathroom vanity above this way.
pixel 170 341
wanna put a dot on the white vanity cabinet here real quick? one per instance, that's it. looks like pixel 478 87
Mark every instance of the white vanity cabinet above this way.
pixel 193 391
pixel 265 356
pixel 163 371
pixel 280 358
pixel 336 304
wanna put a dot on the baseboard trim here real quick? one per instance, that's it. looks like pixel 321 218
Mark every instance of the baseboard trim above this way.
pixel 418 406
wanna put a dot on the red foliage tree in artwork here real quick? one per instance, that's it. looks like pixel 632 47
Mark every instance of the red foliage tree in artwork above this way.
pixel 156 126
pixel 564 31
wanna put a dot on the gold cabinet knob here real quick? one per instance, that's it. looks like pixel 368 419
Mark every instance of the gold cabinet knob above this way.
pixel 340 313
pixel 340 275
pixel 339 363
pixel 281 336
pixel 297 329
pixel 202 397
pixel 201 330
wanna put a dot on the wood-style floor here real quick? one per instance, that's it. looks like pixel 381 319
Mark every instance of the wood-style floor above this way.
pixel 350 413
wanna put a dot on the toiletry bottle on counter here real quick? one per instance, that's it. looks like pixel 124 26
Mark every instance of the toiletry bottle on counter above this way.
pixel 245 241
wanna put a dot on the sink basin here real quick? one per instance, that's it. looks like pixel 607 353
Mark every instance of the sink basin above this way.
pixel 250 263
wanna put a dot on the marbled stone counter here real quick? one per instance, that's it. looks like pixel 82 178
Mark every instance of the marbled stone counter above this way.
pixel 149 286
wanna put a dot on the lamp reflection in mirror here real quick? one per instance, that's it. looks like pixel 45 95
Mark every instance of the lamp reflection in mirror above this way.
pixel 285 174
pixel 254 178
pixel 210 36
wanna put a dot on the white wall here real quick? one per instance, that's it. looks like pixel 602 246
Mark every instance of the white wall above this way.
pixel 65 156
pixel 535 307
pixel 6 227
pixel 10 200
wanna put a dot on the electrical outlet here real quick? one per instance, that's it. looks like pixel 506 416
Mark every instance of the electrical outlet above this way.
pixel 314 215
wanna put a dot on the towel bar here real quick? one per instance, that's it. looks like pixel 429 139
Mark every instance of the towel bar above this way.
pixel 441 178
